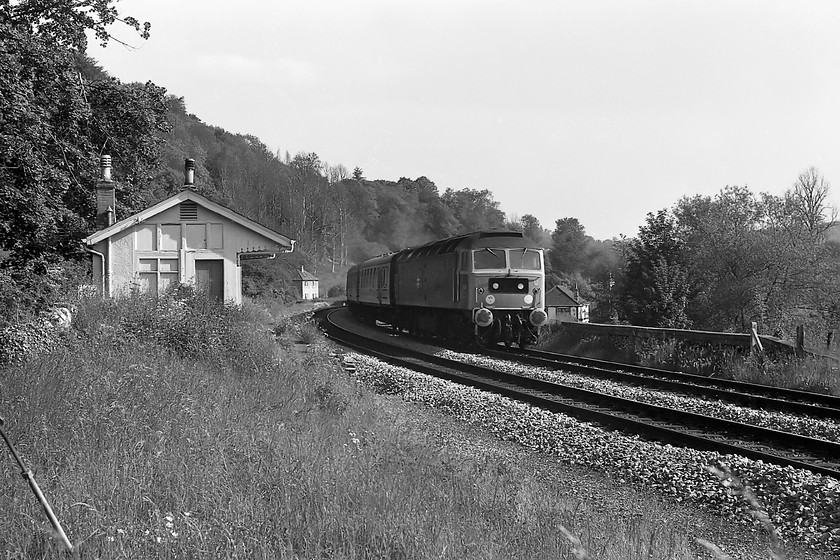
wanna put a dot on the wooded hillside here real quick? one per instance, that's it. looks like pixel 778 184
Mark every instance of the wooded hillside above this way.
pixel 716 262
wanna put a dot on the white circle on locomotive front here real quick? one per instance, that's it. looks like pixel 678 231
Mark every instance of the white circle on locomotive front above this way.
pixel 490 299
pixel 528 299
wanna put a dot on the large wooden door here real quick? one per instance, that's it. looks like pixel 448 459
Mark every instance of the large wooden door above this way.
pixel 210 277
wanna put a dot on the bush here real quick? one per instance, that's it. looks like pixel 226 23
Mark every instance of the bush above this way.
pixel 26 292
pixel 337 291
pixel 185 322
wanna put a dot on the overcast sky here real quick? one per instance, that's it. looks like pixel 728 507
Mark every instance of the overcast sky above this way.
pixel 603 111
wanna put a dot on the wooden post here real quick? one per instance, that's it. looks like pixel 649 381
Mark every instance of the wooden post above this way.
pixel 829 340
pixel 800 338
pixel 755 342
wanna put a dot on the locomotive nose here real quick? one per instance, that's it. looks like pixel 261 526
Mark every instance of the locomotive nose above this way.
pixel 538 317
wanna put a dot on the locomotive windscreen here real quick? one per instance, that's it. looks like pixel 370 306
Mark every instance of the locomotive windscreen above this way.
pixel 490 259
pixel 525 259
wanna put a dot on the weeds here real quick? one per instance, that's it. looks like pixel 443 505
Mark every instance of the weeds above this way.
pixel 179 428
pixel 806 374
pixel 738 488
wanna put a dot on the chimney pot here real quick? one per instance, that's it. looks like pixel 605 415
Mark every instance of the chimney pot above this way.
pixel 105 168
pixel 105 196
pixel 189 172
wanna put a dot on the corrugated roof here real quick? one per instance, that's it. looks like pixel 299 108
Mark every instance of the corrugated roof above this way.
pixel 558 296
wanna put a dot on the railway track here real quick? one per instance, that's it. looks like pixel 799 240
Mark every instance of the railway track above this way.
pixel 747 394
pixel 655 422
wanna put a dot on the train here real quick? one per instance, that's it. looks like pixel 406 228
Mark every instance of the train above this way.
pixel 485 287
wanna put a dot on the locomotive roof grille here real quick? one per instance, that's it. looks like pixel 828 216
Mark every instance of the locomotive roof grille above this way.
pixel 484 234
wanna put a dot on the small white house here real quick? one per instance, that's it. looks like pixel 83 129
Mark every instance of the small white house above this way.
pixel 185 239
pixel 307 284
pixel 562 305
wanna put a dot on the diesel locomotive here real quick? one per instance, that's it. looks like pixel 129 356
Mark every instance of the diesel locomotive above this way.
pixel 487 287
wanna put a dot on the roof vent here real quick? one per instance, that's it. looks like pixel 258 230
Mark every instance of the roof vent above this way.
pixel 189 210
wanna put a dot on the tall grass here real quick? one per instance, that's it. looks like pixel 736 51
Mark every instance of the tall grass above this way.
pixel 180 428
pixel 812 374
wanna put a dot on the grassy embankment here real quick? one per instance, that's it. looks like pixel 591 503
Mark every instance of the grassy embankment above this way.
pixel 181 428
pixel 814 374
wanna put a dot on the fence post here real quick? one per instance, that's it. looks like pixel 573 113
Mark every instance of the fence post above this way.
pixel 800 338
pixel 829 340
pixel 755 342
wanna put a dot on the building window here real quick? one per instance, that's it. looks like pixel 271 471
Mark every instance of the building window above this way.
pixel 196 236
pixel 146 237
pixel 157 274
pixel 170 237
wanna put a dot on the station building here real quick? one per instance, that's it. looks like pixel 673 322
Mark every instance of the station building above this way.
pixel 185 239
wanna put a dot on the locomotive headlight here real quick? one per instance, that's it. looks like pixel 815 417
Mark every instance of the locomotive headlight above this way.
pixel 490 299
pixel 520 286
pixel 484 317
pixel 495 285
pixel 528 299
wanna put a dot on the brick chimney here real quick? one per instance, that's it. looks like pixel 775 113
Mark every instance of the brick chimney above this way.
pixel 106 200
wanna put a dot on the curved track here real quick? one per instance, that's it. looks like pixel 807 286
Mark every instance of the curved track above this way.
pixel 655 422
pixel 747 394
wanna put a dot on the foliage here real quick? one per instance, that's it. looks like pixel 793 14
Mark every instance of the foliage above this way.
pixel 656 283
pixel 266 453
pixel 568 253
pixel 57 120
pixel 25 340
pixel 28 291
pixel 66 22
pixel 532 229
pixel 336 291
pixel 273 279
pixel 722 262
pixel 474 209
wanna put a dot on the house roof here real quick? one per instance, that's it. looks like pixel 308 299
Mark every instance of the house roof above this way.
pixel 558 296
pixel 182 196
pixel 304 275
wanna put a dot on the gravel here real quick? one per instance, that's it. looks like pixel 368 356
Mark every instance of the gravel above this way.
pixel 804 507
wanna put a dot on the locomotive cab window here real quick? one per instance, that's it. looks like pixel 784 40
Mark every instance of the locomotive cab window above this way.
pixel 524 259
pixel 489 259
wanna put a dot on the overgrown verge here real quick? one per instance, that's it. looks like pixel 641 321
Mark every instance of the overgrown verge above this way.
pixel 807 374
pixel 179 427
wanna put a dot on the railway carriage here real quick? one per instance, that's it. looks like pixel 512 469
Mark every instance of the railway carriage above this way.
pixel 487 286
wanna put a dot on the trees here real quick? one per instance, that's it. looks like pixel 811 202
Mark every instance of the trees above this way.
pixel 59 112
pixel 809 202
pixel 55 125
pixel 730 250
pixel 65 23
pixel 475 210
pixel 722 262
pixel 568 246
pixel 655 285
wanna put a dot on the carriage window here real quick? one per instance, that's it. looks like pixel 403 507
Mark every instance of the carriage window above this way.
pixel 527 259
pixel 489 258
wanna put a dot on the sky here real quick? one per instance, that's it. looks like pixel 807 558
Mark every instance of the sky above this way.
pixel 599 110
